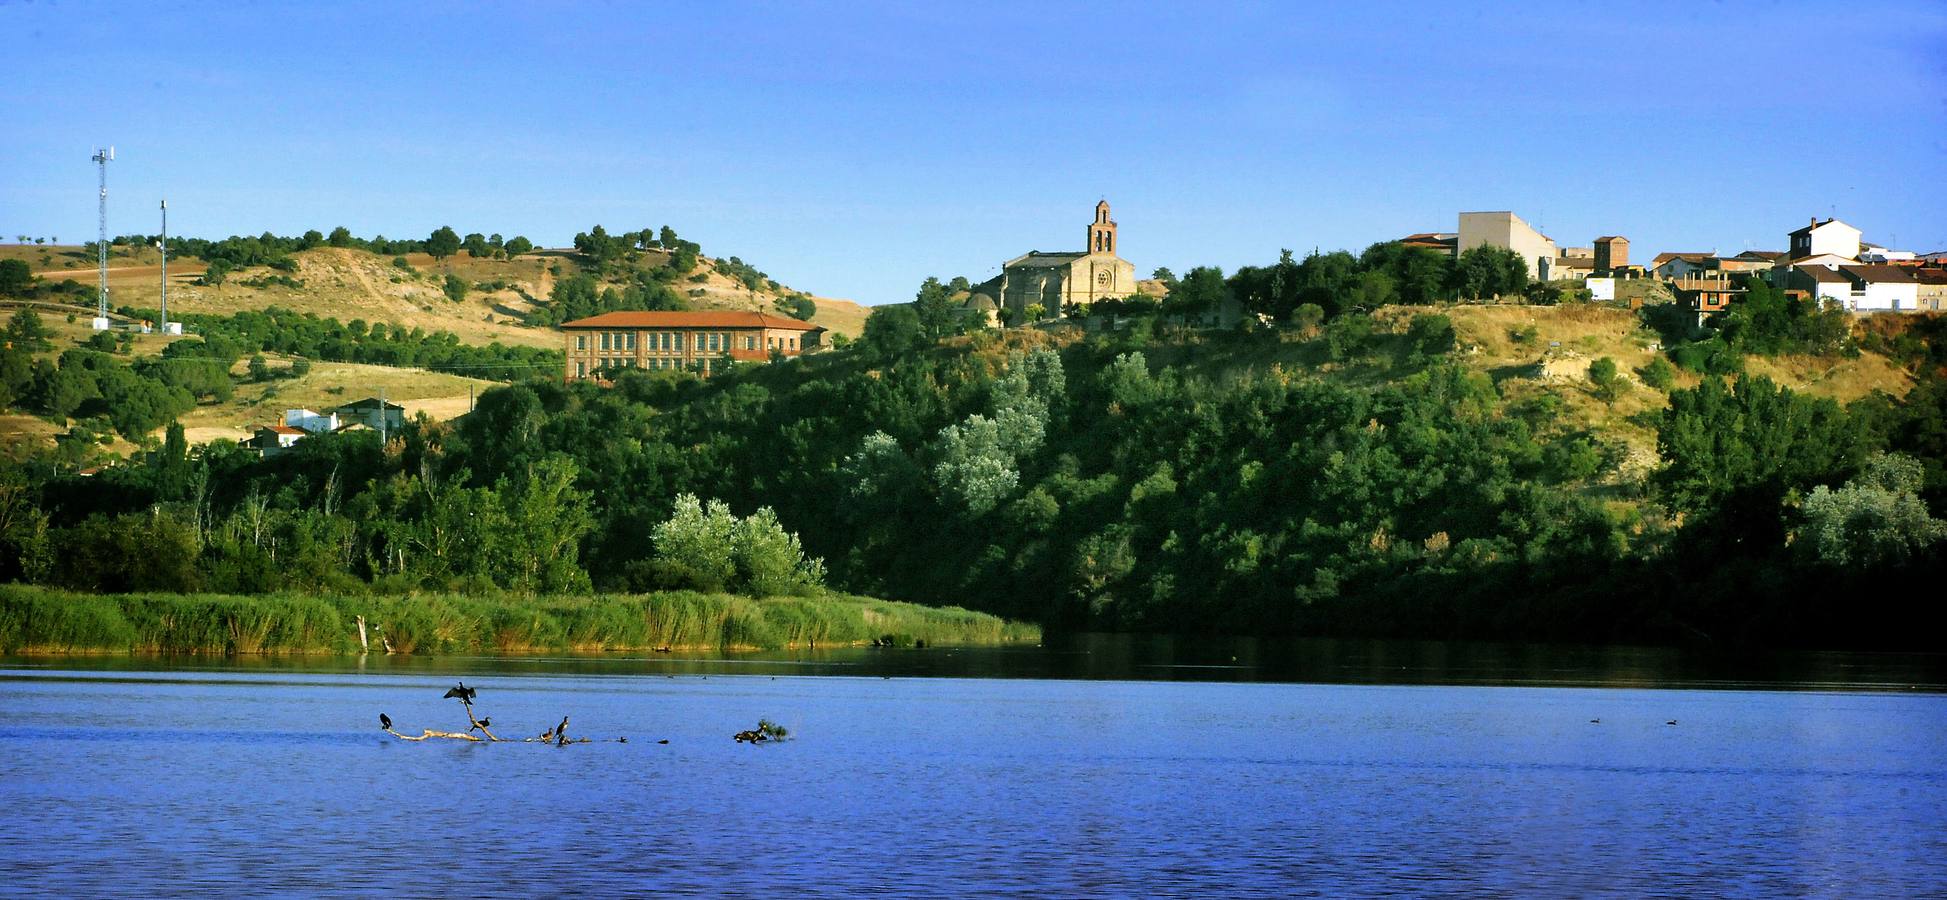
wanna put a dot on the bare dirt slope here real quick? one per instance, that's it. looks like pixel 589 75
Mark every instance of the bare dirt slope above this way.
pixel 439 395
pixel 351 284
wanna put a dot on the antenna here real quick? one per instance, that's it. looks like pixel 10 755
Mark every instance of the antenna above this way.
pixel 162 244
pixel 102 157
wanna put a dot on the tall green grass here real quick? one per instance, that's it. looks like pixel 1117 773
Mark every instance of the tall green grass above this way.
pixel 34 619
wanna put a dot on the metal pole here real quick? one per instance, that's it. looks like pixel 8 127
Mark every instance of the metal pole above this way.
pixel 101 244
pixel 163 245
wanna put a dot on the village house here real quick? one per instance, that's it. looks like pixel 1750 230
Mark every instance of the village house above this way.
pixel 311 421
pixel 1856 288
pixel 270 440
pixel 701 341
pixel 1930 289
pixel 373 412
pixel 1506 230
pixel 1673 266
pixel 1611 254
pixel 1708 293
pixel 1828 238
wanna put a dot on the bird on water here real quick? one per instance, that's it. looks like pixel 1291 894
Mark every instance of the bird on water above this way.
pixel 463 692
pixel 385 721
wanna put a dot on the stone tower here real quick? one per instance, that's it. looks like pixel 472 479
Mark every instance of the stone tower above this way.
pixel 1101 232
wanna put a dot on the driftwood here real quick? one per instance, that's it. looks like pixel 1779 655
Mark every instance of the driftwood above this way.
pixel 557 735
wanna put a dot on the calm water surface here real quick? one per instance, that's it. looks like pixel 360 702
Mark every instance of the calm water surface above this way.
pixel 153 779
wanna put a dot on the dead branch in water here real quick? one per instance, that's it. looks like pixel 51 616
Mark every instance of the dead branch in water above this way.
pixel 557 735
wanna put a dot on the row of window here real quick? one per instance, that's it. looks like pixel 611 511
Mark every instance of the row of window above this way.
pixel 582 369
pixel 672 341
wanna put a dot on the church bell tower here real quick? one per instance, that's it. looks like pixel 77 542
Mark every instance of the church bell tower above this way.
pixel 1101 232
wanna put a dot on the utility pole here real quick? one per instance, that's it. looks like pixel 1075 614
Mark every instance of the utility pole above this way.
pixel 382 417
pixel 102 157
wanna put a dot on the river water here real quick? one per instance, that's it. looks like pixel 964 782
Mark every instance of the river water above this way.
pixel 1104 767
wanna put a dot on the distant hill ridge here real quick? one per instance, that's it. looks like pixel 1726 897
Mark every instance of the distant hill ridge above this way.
pixel 502 296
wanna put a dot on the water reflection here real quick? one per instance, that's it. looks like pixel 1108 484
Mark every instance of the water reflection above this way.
pixel 1132 657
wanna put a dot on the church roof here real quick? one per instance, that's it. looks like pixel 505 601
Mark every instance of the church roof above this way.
pixel 981 303
pixel 1036 259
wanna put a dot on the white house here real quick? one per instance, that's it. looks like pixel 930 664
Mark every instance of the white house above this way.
pixel 1830 236
pixel 311 420
pixel 1863 289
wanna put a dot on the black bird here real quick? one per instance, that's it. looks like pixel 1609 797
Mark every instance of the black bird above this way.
pixel 1595 721
pixel 663 741
pixel 463 692
pixel 1671 722
pixel 385 721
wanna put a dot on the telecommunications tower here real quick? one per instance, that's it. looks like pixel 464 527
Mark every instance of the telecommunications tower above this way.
pixel 102 158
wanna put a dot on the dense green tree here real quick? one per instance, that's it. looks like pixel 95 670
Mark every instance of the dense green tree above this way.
pixel 518 245
pixel 1742 447
pixel 455 287
pixel 443 242
pixel 1605 379
pixel 1875 519
pixel 16 277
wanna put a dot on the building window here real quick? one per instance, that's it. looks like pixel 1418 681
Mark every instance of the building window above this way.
pixel 581 342
pixel 581 370
pixel 604 340
pixel 631 340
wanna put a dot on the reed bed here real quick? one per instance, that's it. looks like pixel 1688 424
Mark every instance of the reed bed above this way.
pixel 41 620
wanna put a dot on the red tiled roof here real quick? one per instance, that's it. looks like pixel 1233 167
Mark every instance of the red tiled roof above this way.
pixel 709 318
pixel 282 429
pixel 1662 258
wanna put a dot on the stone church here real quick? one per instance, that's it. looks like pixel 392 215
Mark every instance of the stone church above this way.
pixel 1055 280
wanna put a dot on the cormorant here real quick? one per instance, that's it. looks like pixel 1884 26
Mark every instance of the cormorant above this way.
pixel 1671 722
pixel 463 692
pixel 385 721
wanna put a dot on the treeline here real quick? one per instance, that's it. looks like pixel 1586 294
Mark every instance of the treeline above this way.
pixel 278 330
pixel 600 250
pixel 273 250
pixel 581 295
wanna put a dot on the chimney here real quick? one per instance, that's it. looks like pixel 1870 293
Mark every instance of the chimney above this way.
pixel 1815 222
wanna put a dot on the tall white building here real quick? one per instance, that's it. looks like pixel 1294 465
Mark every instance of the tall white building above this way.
pixel 1506 230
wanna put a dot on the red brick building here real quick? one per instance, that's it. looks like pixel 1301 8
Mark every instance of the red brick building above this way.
pixel 692 341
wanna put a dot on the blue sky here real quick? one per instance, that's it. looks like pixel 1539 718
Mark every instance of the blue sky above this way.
pixel 852 150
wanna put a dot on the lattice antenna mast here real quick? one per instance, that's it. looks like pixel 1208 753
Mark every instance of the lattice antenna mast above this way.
pixel 103 156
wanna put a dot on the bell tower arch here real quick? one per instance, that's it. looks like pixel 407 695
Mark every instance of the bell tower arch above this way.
pixel 1101 232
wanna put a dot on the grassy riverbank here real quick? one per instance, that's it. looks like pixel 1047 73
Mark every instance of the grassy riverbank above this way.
pixel 39 620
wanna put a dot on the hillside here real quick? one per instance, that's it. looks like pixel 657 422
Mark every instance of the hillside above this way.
pixel 354 284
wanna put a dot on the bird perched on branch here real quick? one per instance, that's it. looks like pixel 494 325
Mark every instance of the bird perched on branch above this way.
pixel 482 725
pixel 385 721
pixel 463 692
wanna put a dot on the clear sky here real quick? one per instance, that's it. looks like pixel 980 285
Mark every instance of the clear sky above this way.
pixel 852 150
